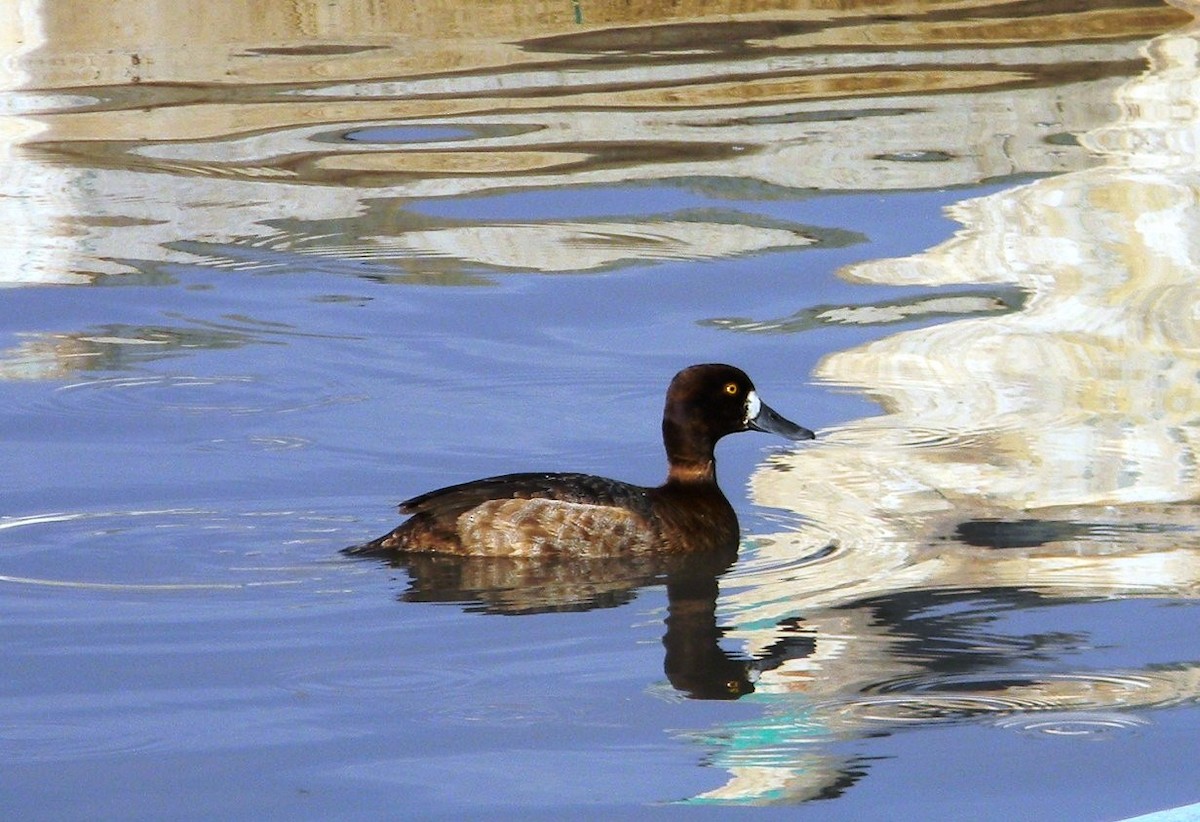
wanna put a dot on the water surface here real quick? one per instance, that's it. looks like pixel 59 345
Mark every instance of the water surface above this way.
pixel 266 280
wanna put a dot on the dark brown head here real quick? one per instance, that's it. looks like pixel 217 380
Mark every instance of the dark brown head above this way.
pixel 706 402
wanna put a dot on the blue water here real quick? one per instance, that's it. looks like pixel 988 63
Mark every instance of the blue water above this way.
pixel 290 682
pixel 187 443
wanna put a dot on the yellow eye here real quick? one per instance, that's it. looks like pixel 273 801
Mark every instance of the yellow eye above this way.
pixel 731 388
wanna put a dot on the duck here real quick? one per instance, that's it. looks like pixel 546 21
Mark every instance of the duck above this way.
pixel 575 514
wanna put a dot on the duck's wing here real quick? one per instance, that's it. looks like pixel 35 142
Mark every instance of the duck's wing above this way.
pixel 577 488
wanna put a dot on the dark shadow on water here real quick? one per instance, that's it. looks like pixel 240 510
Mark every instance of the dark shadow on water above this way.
pixel 694 662
pixel 1035 533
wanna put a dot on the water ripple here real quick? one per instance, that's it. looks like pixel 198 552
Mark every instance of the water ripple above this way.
pixel 378 677
pixel 1060 703
pixel 445 694
pixel 760 562
pixel 230 394
pixel 41 740
pixel 256 443
pixel 163 549
pixel 1094 725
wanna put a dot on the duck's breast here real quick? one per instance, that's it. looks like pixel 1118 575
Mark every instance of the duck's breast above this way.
pixel 694 518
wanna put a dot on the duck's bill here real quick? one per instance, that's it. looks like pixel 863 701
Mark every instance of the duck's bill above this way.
pixel 768 421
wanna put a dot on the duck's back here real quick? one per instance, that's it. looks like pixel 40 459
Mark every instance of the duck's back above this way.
pixel 526 515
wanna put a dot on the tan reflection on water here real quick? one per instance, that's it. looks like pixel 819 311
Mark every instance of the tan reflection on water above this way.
pixel 132 129
pixel 1048 453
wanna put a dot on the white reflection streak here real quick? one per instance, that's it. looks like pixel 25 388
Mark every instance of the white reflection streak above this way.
pixel 17 38
pixel 42 519
pixel 148 586
pixel 21 220
pixel 1085 398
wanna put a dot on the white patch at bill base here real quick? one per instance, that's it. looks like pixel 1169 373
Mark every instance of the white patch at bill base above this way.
pixel 753 406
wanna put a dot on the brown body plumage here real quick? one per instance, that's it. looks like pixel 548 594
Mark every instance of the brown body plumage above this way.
pixel 585 515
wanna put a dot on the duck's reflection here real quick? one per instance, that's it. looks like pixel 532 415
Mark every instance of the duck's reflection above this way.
pixel 694 661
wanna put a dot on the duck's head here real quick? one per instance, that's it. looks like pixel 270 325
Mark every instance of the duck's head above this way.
pixel 706 402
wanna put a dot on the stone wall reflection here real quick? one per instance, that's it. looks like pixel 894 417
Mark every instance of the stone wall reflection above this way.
pixel 1038 457
pixel 129 129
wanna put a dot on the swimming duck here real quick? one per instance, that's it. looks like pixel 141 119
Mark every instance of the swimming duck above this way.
pixel 583 515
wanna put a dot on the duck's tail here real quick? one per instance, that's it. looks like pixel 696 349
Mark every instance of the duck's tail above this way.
pixel 378 547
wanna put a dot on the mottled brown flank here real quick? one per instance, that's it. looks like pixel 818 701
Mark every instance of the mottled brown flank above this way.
pixel 539 526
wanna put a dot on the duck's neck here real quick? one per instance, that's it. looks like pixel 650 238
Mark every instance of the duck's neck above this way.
pixel 692 472
pixel 689 458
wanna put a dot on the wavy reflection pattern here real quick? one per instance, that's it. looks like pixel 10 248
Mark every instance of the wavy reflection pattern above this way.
pixel 1046 455
pixel 181 132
